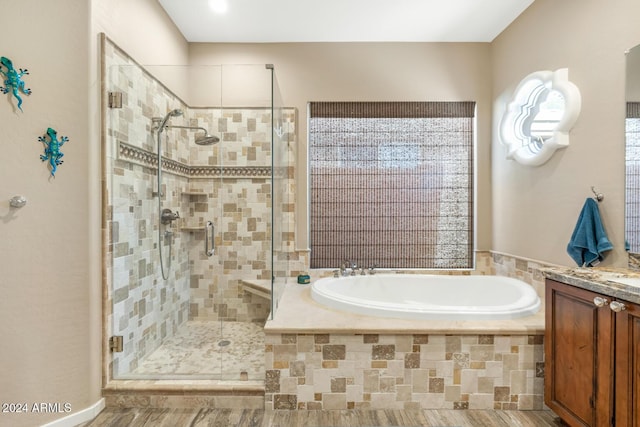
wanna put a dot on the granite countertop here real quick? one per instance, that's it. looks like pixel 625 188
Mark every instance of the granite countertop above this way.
pixel 600 280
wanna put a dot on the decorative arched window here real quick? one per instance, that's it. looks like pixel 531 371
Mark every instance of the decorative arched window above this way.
pixel 542 111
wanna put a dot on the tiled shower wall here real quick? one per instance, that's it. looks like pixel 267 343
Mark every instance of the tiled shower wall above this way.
pixel 239 204
pixel 228 183
pixel 146 309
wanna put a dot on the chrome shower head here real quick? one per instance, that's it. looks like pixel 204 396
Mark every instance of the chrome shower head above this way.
pixel 160 124
pixel 206 139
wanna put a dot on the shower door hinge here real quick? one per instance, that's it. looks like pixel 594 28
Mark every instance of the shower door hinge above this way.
pixel 115 343
pixel 115 99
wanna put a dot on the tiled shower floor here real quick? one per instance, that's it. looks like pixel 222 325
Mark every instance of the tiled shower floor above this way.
pixel 195 353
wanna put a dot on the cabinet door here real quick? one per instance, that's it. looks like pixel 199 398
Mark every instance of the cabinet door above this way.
pixel 578 356
pixel 627 401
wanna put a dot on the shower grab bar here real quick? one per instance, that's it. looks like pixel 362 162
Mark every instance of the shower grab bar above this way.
pixel 208 251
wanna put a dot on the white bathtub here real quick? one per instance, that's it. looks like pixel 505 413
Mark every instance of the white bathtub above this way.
pixel 423 296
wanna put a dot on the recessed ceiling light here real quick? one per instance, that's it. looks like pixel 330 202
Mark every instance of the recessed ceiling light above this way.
pixel 219 6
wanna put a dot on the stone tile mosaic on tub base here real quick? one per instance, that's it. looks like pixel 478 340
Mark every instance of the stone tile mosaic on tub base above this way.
pixel 372 371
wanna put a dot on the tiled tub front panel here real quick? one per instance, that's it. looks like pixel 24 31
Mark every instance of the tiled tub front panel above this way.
pixel 327 371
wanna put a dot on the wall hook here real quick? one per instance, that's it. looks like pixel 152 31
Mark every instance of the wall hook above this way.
pixel 598 196
pixel 17 201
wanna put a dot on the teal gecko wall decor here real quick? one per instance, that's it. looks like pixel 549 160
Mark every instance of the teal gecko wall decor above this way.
pixel 13 80
pixel 52 152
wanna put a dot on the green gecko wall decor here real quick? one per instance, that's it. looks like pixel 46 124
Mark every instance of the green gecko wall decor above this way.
pixel 52 151
pixel 13 80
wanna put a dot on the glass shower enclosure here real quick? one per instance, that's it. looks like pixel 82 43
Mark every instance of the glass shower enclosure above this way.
pixel 197 177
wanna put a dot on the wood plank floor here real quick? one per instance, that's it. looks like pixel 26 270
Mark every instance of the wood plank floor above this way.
pixel 194 417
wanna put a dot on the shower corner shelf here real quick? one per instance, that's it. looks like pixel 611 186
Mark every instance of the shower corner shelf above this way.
pixel 194 193
pixel 191 228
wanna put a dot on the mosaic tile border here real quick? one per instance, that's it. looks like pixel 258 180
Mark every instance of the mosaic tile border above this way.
pixel 148 159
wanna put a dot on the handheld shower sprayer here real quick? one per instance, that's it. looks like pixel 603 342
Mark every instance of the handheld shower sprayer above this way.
pixel 166 216
pixel 161 123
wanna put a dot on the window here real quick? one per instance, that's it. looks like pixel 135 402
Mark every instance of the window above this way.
pixel 391 184
pixel 537 121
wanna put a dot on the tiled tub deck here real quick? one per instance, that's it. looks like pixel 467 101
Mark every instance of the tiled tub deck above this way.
pixel 319 358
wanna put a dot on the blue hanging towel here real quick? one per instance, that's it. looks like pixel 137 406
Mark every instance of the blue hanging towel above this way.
pixel 589 240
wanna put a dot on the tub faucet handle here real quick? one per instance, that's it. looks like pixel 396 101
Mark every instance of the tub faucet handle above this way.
pixel 343 268
pixel 372 269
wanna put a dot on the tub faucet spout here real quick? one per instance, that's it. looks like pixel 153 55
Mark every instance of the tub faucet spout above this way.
pixel 348 265
pixel 354 269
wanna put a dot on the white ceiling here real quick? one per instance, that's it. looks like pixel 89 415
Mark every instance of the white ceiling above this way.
pixel 274 21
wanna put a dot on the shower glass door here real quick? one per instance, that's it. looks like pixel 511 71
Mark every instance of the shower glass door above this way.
pixel 282 183
pixel 205 320
pixel 147 311
pixel 245 197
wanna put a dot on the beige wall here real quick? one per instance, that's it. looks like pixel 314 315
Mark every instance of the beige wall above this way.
pixel 372 72
pixel 535 209
pixel 144 30
pixel 50 322
pixel 47 328
pixel 50 262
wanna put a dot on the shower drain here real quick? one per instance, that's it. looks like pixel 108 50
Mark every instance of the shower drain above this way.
pixel 224 343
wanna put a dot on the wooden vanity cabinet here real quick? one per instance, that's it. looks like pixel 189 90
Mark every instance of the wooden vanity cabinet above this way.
pixel 627 367
pixel 592 358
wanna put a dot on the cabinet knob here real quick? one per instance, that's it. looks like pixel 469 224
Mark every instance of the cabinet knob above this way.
pixel 600 302
pixel 617 306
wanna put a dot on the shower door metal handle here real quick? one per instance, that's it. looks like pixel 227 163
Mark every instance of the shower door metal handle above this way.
pixel 208 227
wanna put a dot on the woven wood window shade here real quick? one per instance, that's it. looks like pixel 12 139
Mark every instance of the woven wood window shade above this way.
pixel 633 110
pixel 391 184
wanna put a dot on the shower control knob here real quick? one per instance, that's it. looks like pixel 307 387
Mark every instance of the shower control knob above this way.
pixel 167 216
pixel 600 302
pixel 617 306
